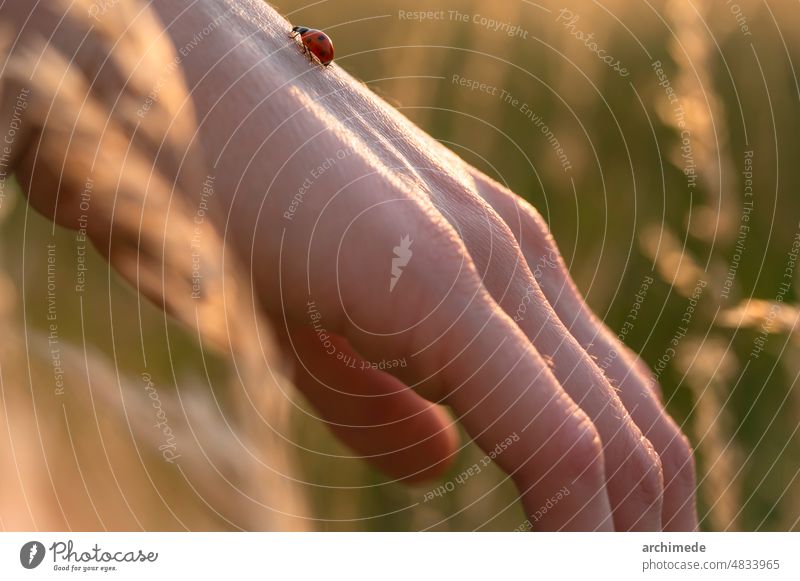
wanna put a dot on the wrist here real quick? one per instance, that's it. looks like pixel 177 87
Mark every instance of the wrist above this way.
pixel 233 58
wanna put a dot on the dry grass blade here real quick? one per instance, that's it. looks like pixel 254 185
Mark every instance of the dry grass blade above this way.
pixel 109 121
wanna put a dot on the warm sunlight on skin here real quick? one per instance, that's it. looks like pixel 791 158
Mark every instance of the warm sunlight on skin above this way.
pixel 319 181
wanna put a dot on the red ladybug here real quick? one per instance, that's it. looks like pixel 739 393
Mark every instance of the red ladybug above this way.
pixel 316 43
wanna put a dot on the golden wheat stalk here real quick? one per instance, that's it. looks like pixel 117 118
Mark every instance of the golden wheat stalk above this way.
pixel 83 126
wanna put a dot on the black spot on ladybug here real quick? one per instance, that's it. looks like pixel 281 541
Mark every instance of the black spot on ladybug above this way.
pixel 320 37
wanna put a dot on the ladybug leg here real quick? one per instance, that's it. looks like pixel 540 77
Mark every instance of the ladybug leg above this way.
pixel 305 50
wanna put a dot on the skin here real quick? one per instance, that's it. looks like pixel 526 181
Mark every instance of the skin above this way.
pixel 268 119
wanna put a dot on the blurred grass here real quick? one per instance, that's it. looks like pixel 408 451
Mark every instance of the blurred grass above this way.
pixel 611 213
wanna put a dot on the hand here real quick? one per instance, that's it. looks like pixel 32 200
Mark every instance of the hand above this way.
pixel 324 183
pixel 370 242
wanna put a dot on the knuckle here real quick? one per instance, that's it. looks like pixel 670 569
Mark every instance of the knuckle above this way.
pixel 678 462
pixel 648 477
pixel 580 453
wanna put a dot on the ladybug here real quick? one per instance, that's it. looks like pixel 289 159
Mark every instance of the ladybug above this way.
pixel 316 44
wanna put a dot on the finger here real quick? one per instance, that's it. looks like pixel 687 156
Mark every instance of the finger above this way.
pixel 633 468
pixel 639 394
pixel 372 412
pixel 464 351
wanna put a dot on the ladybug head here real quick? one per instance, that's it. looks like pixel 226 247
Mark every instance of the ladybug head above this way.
pixel 300 29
